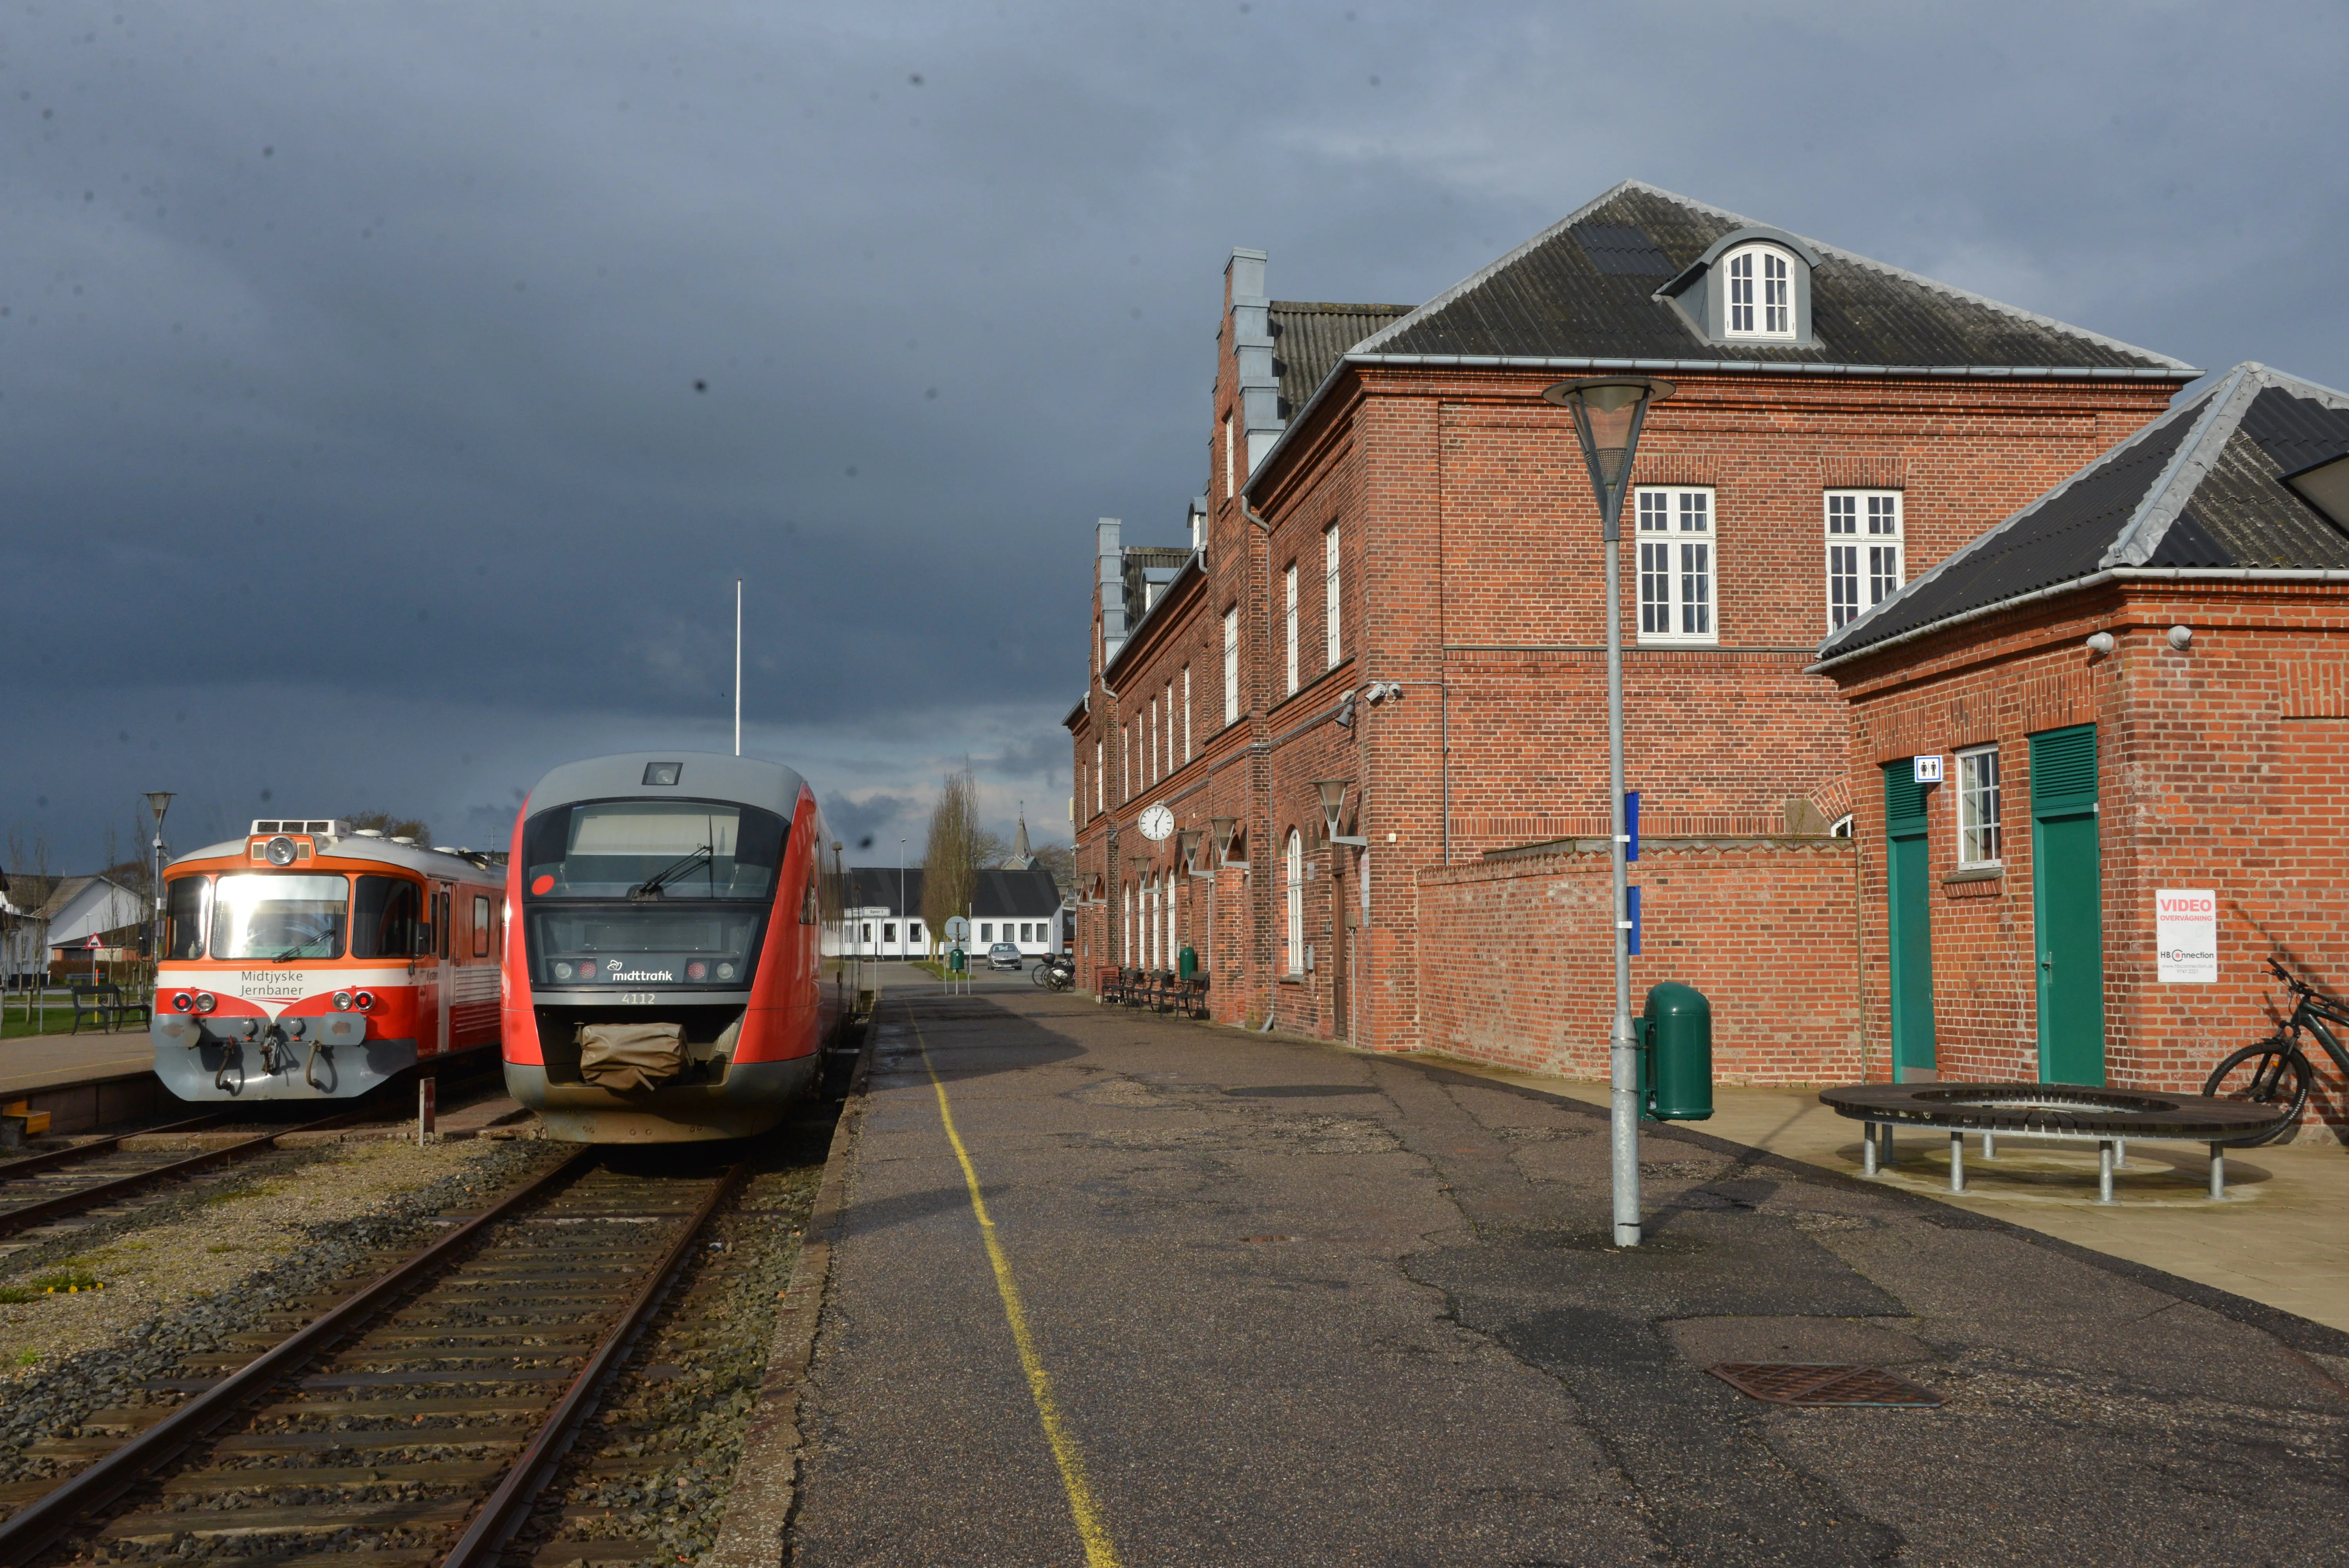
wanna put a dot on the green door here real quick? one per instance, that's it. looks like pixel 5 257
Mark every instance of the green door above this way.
pixel 1910 923
pixel 2067 905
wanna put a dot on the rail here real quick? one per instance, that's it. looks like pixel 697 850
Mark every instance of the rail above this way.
pixel 447 1290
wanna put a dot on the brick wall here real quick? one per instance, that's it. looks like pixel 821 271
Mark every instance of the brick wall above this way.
pixel 1765 929
pixel 2218 767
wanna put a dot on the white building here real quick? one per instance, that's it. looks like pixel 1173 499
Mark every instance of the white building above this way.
pixel 1021 906
pixel 39 916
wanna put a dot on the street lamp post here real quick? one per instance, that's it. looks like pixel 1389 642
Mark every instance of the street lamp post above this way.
pixel 1608 411
pixel 157 801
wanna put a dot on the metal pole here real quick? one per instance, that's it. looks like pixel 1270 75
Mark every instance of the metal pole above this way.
pixel 1623 1129
pixel 738 667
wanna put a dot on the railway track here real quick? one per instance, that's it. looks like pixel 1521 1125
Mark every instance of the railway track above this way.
pixel 39 1188
pixel 408 1421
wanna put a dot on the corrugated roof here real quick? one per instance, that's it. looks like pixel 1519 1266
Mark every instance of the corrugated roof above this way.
pixel 2200 489
pixel 1585 287
pixel 998 894
pixel 1309 337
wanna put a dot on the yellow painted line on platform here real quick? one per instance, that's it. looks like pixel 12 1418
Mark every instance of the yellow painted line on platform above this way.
pixel 1083 1506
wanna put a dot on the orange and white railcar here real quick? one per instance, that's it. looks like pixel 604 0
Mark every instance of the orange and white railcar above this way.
pixel 307 961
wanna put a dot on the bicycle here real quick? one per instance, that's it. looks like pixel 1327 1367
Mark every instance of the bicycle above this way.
pixel 1054 972
pixel 2276 1070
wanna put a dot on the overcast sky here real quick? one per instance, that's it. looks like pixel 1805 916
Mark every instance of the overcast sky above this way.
pixel 389 394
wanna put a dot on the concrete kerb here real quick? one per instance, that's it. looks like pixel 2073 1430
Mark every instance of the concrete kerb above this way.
pixel 765 1489
pixel 2298 1335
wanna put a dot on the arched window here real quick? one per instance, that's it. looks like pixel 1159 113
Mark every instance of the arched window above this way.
pixel 1126 944
pixel 1293 869
pixel 1759 293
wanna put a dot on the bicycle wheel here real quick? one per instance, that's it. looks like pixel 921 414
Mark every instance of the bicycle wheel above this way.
pixel 2273 1072
pixel 1039 975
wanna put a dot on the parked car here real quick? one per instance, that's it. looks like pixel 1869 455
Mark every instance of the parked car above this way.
pixel 1004 955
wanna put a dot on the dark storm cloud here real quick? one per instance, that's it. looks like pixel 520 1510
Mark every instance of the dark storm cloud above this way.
pixel 383 386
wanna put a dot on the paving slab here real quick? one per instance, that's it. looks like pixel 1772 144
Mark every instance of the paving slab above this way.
pixel 2281 1237
pixel 1249 1300
pixel 38 1061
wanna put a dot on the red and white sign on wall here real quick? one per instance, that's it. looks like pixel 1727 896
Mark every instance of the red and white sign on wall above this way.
pixel 2186 935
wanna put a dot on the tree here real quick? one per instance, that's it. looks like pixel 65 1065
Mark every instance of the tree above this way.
pixel 391 827
pixel 950 856
pixel 1061 860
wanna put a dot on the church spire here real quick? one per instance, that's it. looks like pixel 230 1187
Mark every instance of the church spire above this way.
pixel 1022 857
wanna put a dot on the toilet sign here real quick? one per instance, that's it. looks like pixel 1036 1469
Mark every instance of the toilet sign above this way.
pixel 2186 935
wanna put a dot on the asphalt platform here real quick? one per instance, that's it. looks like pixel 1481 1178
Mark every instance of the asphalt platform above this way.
pixel 1250 1300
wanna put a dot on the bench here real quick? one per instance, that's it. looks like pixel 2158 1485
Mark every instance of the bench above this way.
pixel 104 1004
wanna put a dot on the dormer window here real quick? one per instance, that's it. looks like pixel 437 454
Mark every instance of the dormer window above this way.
pixel 1761 293
pixel 1751 285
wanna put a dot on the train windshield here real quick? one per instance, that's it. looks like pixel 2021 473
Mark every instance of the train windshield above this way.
pixel 673 894
pixel 653 849
pixel 258 915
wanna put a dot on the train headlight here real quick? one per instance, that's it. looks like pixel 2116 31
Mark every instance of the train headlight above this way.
pixel 205 1002
pixel 279 850
pixel 181 1001
pixel 342 1001
pixel 563 972
pixel 697 970
pixel 363 1000
pixel 726 972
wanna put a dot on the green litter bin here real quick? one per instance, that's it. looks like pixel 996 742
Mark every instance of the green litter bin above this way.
pixel 1676 1055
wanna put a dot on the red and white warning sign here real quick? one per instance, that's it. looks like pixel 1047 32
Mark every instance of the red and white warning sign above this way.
pixel 93 942
pixel 2186 935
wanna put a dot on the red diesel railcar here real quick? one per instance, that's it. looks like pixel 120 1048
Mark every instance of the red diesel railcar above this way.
pixel 670 975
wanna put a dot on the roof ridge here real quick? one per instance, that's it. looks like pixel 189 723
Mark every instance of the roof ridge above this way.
pixel 2165 499
pixel 1982 541
pixel 1334 305
pixel 1371 344
pixel 2299 385
pixel 1952 290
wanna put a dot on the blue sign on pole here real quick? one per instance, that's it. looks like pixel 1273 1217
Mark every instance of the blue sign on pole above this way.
pixel 1631 824
pixel 1631 910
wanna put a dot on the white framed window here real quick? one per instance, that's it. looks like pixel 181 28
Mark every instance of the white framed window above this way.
pixel 1289 617
pixel 1126 932
pixel 1979 841
pixel 1228 468
pixel 1097 777
pixel 1863 552
pixel 1292 960
pixel 1186 712
pixel 1232 666
pixel 1329 592
pixel 1170 726
pixel 1125 762
pixel 1676 565
pixel 1759 293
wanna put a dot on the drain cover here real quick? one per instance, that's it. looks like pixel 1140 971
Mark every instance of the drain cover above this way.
pixel 1819 1383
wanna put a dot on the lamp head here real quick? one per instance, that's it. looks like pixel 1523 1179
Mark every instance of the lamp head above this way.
pixel 159 801
pixel 1606 411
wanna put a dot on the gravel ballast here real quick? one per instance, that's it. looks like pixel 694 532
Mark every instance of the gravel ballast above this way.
pixel 180 1275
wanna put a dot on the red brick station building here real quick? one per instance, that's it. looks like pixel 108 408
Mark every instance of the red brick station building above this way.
pixel 1878 518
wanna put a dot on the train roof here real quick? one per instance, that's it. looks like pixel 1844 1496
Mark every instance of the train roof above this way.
pixel 693 775
pixel 362 847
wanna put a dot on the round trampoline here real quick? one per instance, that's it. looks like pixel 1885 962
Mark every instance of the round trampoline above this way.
pixel 2108 1117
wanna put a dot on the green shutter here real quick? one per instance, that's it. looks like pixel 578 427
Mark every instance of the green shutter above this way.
pixel 2063 771
pixel 1904 798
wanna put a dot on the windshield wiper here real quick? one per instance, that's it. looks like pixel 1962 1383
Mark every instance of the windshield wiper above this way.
pixel 650 888
pixel 296 951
